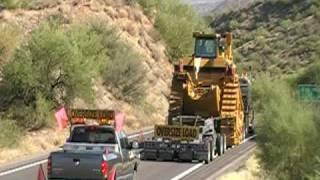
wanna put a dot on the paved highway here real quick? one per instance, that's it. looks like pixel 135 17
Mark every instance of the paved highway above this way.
pixel 148 169
pixel 153 170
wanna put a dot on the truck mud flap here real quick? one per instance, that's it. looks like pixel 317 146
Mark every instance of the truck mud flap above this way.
pixel 150 154
pixel 166 154
pixel 201 155
pixel 186 155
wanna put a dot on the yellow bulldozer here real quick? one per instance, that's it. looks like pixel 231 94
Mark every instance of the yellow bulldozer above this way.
pixel 210 104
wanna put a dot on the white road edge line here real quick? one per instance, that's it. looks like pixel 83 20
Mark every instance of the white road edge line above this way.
pixel 238 159
pixel 197 166
pixel 188 171
pixel 44 161
pixel 248 139
pixel 137 135
pixel 22 168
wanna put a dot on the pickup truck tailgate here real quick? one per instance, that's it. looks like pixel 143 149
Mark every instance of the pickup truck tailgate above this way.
pixel 76 165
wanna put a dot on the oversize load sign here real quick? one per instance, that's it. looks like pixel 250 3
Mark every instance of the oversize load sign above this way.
pixel 91 114
pixel 176 132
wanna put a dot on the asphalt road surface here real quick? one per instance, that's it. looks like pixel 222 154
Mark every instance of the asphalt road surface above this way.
pixel 155 170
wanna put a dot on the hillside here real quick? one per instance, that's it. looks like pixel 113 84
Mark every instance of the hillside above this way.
pixel 131 24
pixel 203 7
pixel 279 37
pixel 212 8
pixel 231 5
pixel 279 40
pixel 134 44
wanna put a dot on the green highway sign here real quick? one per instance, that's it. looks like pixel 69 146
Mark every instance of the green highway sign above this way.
pixel 309 93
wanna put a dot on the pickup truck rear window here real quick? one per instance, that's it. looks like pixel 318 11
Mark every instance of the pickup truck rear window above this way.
pixel 93 134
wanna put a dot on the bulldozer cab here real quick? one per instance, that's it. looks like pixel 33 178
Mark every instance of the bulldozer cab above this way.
pixel 205 47
pixel 212 46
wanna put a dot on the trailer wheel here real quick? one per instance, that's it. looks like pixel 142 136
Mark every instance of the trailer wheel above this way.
pixel 209 153
pixel 219 145
pixel 244 135
pixel 224 143
pixel 212 151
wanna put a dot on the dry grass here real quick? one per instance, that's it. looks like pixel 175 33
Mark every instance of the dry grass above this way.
pixel 156 36
pixel 250 171
pixel 34 143
pixel 9 40
pixel 156 53
pixel 131 29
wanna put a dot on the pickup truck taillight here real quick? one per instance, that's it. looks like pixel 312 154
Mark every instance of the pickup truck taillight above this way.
pixel 104 169
pixel 49 165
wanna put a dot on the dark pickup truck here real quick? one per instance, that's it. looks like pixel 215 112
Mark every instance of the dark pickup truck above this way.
pixel 94 153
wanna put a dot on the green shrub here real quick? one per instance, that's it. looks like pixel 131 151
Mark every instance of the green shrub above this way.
pixel 52 68
pixel 9 40
pixel 310 75
pixel 32 117
pixel 176 22
pixel 28 4
pixel 14 4
pixel 233 24
pixel 55 63
pixel 10 133
pixel 123 72
pixel 287 134
pixel 125 75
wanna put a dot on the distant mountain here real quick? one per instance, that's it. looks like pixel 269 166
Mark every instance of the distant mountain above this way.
pixel 231 5
pixel 204 7
pixel 212 7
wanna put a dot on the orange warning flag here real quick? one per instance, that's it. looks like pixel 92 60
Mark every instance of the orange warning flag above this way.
pixel 62 118
pixel 41 175
pixel 119 119
pixel 141 136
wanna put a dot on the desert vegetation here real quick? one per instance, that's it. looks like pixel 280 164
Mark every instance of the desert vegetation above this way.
pixel 175 23
pixel 279 40
pixel 287 131
pixel 278 37
pixel 55 65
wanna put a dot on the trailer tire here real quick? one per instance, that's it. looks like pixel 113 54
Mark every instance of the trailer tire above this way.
pixel 212 151
pixel 219 145
pixel 244 135
pixel 207 161
pixel 224 143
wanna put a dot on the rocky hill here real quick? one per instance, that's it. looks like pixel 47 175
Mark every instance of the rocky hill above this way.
pixel 279 37
pixel 131 26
